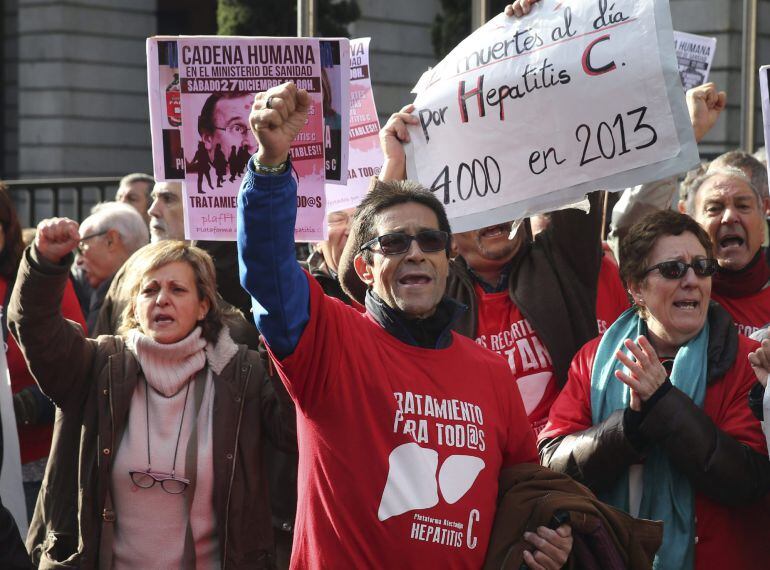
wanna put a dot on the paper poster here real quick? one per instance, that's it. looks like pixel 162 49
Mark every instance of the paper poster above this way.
pixel 365 158
pixel 219 77
pixel 694 55
pixel 165 108
pixel 335 76
pixel 764 77
pixel 528 114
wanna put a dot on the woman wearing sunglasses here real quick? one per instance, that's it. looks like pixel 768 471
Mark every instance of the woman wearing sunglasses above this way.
pixel 654 415
pixel 169 416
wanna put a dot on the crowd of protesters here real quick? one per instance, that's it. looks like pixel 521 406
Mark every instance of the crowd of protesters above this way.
pixel 521 395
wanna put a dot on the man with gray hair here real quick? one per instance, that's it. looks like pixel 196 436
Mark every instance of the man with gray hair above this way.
pixel 134 190
pixel 726 202
pixel 109 236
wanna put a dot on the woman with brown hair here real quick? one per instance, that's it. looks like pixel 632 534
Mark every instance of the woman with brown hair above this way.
pixel 171 410
pixel 654 415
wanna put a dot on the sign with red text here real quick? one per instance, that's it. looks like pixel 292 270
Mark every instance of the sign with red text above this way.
pixel 528 114
pixel 365 157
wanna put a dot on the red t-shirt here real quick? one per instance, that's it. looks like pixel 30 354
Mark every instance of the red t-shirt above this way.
pixel 749 313
pixel 611 296
pixel 400 447
pixel 728 537
pixel 503 329
pixel 35 441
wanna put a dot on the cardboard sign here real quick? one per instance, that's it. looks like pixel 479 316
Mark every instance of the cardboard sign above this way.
pixel 335 83
pixel 694 55
pixel 218 77
pixel 365 158
pixel 528 114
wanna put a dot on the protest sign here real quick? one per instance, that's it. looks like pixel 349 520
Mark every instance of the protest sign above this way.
pixel 528 114
pixel 11 486
pixel 218 78
pixel 365 158
pixel 335 76
pixel 165 108
pixel 764 78
pixel 694 55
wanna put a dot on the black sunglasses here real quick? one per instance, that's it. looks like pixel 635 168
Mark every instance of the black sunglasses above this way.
pixel 400 242
pixel 677 269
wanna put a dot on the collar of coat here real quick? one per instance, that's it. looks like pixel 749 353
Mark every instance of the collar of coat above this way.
pixel 431 332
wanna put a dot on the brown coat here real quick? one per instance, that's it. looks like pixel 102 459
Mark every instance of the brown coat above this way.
pixel 530 495
pixel 91 381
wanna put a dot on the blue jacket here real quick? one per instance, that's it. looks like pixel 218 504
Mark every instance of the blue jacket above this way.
pixel 267 212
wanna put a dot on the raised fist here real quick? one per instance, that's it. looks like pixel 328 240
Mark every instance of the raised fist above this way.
pixel 276 118
pixel 56 237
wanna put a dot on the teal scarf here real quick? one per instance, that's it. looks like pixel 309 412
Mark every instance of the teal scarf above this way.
pixel 667 494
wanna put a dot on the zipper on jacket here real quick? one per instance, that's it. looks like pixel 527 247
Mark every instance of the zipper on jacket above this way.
pixel 247 373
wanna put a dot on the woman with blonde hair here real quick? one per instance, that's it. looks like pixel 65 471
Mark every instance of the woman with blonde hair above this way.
pixel 170 413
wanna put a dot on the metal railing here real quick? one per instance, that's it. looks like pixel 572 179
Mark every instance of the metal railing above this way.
pixel 71 197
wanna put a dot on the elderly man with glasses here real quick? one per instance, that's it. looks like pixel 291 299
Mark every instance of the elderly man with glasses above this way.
pixel 404 426
pixel 109 236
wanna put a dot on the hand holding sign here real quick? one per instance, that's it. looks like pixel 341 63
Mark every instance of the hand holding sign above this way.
pixel 276 118
pixel 519 8
pixel 705 104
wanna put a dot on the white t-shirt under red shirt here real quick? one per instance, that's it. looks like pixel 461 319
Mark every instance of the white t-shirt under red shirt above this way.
pixel 400 447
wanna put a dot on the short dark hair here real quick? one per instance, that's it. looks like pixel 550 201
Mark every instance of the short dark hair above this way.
pixel 641 239
pixel 206 118
pixel 756 171
pixel 385 195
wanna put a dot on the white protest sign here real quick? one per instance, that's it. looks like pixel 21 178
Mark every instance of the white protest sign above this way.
pixel 764 77
pixel 694 55
pixel 528 114
pixel 365 159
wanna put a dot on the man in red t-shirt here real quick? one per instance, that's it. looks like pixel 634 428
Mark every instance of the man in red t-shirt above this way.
pixel 403 425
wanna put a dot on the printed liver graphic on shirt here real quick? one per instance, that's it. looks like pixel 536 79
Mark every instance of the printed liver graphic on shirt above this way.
pixel 412 482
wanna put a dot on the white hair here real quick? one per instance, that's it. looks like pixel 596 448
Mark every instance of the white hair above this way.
pixel 122 218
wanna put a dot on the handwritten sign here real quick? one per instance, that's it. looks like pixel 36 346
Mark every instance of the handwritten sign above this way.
pixel 694 55
pixel 528 114
pixel 365 159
